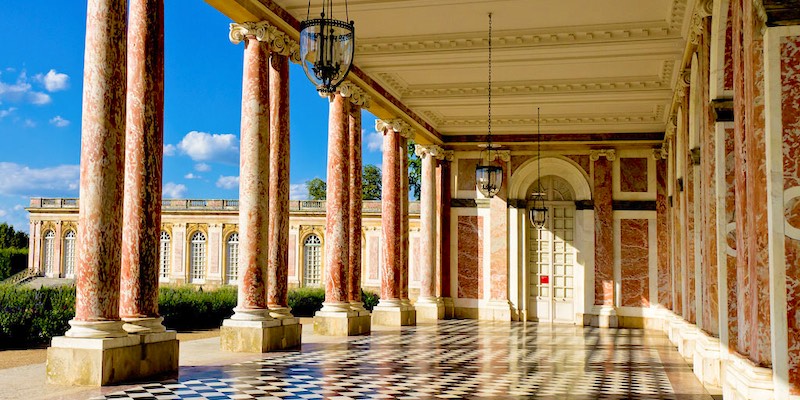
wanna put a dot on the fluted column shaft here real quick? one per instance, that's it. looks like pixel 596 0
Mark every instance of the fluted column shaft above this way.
pixel 277 271
pixel 355 194
pixel 253 183
pixel 337 216
pixel 99 240
pixel 427 218
pixel 390 216
pixel 144 144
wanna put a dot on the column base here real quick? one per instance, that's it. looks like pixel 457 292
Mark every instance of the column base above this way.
pixel 495 310
pixel 429 309
pixel 342 323
pixel 104 361
pixel 243 336
pixel 604 317
pixel 745 380
pixel 706 361
pixel 394 313
pixel 449 307
pixel 280 312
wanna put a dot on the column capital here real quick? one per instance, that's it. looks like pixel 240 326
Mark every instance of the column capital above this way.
pixel 424 150
pixel 397 125
pixel 660 153
pixel 279 42
pixel 447 155
pixel 355 94
pixel 609 154
pixel 672 127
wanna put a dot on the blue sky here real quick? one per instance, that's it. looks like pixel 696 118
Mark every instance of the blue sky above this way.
pixel 41 73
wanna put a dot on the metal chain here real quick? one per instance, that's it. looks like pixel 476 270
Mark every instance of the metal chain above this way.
pixel 490 82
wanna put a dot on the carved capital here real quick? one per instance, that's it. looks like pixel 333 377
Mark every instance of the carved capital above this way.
pixel 660 153
pixel 672 127
pixel 397 125
pixel 761 12
pixel 704 8
pixel 432 150
pixel 356 95
pixel 609 154
pixel 447 155
pixel 279 42
pixel 238 32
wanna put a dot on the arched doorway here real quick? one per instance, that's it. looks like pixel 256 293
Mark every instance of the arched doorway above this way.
pixel 552 254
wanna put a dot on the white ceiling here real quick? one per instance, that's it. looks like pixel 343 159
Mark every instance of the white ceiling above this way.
pixel 593 66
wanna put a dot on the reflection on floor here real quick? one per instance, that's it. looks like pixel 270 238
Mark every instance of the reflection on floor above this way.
pixel 454 359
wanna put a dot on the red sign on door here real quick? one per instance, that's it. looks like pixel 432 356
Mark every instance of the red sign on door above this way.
pixel 544 279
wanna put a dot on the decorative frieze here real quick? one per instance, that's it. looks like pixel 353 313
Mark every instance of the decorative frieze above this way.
pixel 609 154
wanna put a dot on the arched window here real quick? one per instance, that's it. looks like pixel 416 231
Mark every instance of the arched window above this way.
pixel 312 256
pixel 198 257
pixel 69 254
pixel 232 262
pixel 164 255
pixel 49 251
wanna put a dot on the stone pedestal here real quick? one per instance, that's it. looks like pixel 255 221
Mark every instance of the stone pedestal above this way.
pixel 745 380
pixel 429 309
pixel 394 313
pixel 706 360
pixel 495 310
pixel 106 361
pixel 449 307
pixel 604 317
pixel 260 336
pixel 342 323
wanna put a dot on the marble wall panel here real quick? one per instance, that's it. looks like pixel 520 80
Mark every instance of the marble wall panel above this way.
pixel 689 286
pixel 413 261
pixel 633 174
pixel 292 255
pixel 582 160
pixel 662 236
pixel 373 255
pixel 466 174
pixel 728 62
pixel 790 99
pixel 730 236
pixel 470 255
pixel 604 233
pixel 634 263
pixel 498 242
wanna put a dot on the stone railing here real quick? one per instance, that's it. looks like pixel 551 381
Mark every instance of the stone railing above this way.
pixel 306 206
pixel 21 277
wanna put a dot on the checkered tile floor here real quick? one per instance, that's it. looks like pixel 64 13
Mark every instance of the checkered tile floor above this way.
pixel 455 359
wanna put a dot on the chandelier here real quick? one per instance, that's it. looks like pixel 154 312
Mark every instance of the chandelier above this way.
pixel 538 211
pixel 327 47
pixel 488 177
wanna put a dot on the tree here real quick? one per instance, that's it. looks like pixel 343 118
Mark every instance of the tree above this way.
pixel 12 239
pixel 414 171
pixel 317 189
pixel 371 181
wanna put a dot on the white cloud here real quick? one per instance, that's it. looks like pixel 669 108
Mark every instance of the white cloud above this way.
pixel 22 92
pixel 3 213
pixel 169 150
pixel 191 176
pixel 202 167
pixel 5 113
pixel 17 179
pixel 29 123
pixel 59 121
pixel 298 191
pixel 172 190
pixel 54 81
pixel 375 141
pixel 202 146
pixel 228 182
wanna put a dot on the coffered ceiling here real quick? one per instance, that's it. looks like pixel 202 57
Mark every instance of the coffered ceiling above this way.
pixel 592 66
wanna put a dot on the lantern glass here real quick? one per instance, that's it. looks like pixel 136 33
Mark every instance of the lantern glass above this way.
pixel 538 216
pixel 489 179
pixel 327 47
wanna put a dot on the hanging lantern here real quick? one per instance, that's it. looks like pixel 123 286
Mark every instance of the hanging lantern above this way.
pixel 538 211
pixel 489 178
pixel 327 47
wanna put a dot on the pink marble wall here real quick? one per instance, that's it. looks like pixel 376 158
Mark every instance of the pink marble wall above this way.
pixel 728 69
pixel 413 261
pixel 373 254
pixel 790 94
pixel 633 174
pixel 292 255
pixel 466 174
pixel 498 241
pixel 470 255
pixel 662 236
pixel 634 263
pixel 604 233
pixel 582 160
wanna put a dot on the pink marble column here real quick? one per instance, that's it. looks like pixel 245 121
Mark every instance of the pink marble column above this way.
pixel 278 264
pixel 253 183
pixel 337 217
pixel 662 231
pixel 144 144
pixel 444 224
pixel 99 239
pixel 603 231
pixel 390 214
pixel 404 190
pixel 355 204
pixel 427 221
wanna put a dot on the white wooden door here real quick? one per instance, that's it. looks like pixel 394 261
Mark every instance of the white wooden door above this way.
pixel 552 267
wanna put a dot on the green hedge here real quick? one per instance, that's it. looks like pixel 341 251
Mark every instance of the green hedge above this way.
pixel 187 308
pixel 305 301
pixel 12 260
pixel 31 317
